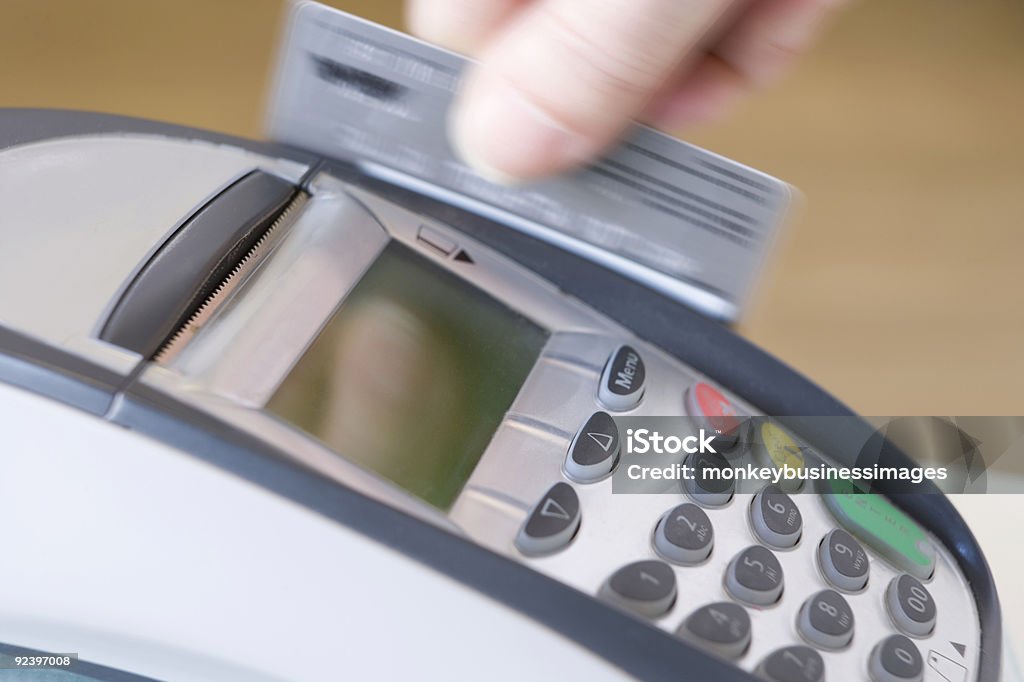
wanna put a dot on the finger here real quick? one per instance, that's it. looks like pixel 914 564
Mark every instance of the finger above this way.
pixel 705 93
pixel 460 25
pixel 766 40
pixel 759 48
pixel 564 79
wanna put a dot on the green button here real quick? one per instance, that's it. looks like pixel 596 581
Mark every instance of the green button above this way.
pixel 874 519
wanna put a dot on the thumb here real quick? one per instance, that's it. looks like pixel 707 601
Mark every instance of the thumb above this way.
pixel 563 80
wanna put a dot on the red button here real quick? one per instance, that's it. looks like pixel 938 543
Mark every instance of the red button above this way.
pixel 703 400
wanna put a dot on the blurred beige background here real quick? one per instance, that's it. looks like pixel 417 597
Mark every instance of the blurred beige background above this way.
pixel 898 288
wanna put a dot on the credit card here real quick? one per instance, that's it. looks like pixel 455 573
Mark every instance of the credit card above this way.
pixel 684 221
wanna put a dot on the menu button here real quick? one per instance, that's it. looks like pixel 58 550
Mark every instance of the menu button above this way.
pixel 622 382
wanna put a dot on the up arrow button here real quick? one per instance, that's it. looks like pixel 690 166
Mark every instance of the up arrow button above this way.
pixel 622 382
pixel 595 449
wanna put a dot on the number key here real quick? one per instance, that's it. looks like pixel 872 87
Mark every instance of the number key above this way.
pixel 724 628
pixel 754 576
pixel 826 620
pixel 645 587
pixel 775 517
pixel 843 561
pixel 911 605
pixel 793 664
pixel 706 486
pixel 684 535
pixel 896 659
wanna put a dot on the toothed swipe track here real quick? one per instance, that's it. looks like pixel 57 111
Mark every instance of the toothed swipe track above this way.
pixel 252 258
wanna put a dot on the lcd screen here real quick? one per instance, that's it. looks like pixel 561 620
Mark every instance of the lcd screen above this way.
pixel 412 375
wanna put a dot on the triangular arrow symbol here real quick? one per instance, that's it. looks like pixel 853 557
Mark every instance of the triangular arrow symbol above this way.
pixel 960 648
pixel 553 509
pixel 463 257
pixel 602 439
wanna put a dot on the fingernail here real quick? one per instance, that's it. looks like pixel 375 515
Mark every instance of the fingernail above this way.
pixel 507 139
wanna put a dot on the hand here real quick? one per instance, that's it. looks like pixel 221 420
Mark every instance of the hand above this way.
pixel 558 81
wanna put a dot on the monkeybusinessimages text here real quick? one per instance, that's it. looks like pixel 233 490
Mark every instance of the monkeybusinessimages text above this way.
pixel 647 441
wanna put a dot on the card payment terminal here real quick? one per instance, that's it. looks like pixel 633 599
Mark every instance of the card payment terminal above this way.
pixel 228 366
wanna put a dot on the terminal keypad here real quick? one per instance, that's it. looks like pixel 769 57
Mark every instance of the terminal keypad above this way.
pixel 683 541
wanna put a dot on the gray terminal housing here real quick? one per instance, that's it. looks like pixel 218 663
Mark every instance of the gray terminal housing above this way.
pixel 64 339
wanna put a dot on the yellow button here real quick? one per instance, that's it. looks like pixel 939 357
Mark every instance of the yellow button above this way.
pixel 783 451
